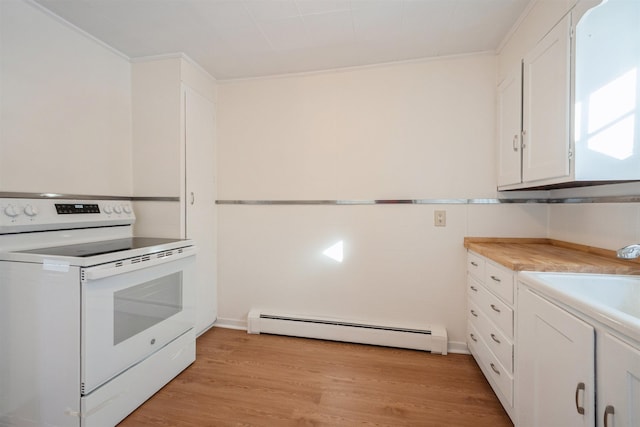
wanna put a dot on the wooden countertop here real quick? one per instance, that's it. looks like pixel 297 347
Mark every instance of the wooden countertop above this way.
pixel 522 254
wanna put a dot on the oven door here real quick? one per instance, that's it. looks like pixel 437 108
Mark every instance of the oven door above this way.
pixel 133 308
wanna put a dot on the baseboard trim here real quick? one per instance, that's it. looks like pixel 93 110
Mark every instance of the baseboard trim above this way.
pixel 458 347
pixel 231 324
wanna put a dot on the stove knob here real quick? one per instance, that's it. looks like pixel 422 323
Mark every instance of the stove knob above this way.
pixel 127 209
pixel 30 211
pixel 11 211
pixel 117 209
pixel 107 209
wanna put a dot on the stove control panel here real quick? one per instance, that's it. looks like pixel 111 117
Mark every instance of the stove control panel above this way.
pixel 77 208
pixel 20 215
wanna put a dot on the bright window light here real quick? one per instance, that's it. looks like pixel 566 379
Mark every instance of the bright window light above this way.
pixel 611 117
pixel 335 252
pixel 612 101
pixel 615 141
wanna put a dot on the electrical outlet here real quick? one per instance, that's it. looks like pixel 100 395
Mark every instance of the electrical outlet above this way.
pixel 440 218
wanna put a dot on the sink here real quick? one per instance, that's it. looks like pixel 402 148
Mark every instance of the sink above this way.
pixel 611 299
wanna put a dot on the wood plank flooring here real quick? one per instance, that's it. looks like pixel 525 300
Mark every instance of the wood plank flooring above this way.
pixel 265 380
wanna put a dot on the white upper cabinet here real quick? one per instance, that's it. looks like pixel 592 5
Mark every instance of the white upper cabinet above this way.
pixel 510 128
pixel 545 106
pixel 579 102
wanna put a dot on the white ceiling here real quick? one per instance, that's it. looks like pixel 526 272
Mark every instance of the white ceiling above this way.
pixel 248 38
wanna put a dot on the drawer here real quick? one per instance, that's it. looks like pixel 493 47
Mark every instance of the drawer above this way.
pixel 500 314
pixel 500 281
pixel 500 379
pixel 474 313
pixel 473 289
pixel 499 344
pixel 475 266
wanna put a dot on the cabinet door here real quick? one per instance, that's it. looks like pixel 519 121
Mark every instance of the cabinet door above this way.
pixel 555 365
pixel 546 101
pixel 509 128
pixel 618 383
pixel 200 224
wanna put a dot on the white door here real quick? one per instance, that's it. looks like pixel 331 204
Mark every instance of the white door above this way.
pixel 509 128
pixel 200 191
pixel 546 101
pixel 555 380
pixel 618 383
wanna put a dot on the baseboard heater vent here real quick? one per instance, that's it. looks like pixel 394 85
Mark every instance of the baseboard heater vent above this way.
pixel 433 338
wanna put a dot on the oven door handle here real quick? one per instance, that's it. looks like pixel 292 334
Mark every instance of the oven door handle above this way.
pixel 133 264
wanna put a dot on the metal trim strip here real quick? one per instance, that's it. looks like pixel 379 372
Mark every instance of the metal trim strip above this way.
pixel 602 199
pixel 25 195
pixel 302 202
pixel 605 199
pixel 154 199
pixel 375 202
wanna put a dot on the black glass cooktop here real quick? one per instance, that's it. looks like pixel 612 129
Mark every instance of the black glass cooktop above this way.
pixel 85 250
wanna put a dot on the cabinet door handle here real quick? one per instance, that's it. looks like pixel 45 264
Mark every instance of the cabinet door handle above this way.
pixel 193 198
pixel 579 408
pixel 493 367
pixel 494 308
pixel 524 134
pixel 495 279
pixel 473 288
pixel 515 142
pixel 473 312
pixel 608 411
pixel 473 337
pixel 493 337
pixel 475 264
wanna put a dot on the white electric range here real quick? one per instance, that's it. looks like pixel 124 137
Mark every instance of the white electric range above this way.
pixel 93 321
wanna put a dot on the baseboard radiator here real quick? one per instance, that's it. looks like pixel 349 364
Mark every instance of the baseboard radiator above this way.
pixel 433 338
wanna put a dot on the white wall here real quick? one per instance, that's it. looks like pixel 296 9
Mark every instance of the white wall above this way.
pixel 419 130
pixel 65 108
pixel 383 132
pixel 157 114
pixel 602 225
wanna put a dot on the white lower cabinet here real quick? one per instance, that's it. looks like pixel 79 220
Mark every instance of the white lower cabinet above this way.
pixel 618 375
pixel 490 316
pixel 555 365
pixel 572 370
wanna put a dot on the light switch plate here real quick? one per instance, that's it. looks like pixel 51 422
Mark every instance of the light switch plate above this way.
pixel 440 218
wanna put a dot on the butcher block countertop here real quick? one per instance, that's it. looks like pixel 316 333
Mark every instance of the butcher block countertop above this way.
pixel 523 254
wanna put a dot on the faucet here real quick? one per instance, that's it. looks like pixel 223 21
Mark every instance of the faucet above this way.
pixel 629 252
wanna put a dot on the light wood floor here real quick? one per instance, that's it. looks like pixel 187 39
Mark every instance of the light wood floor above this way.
pixel 264 380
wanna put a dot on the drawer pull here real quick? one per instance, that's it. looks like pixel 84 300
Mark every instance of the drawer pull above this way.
pixel 473 312
pixel 493 367
pixel 579 408
pixel 474 289
pixel 608 411
pixel 473 337
pixel 475 264
pixel 493 337
pixel 495 279
pixel 494 308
